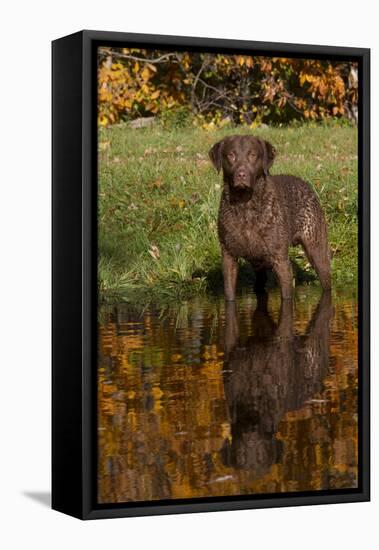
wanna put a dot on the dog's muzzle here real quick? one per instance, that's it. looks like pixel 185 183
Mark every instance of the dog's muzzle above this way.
pixel 241 177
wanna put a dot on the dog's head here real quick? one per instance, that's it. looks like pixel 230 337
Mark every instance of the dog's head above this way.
pixel 252 451
pixel 243 159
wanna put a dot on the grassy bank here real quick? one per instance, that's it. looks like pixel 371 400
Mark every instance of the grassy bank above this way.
pixel 159 195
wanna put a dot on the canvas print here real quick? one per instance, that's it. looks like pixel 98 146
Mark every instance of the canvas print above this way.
pixel 227 349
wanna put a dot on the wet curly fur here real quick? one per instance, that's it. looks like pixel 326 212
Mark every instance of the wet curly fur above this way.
pixel 261 216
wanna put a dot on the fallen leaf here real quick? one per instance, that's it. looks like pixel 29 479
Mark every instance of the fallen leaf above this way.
pixel 104 145
pixel 154 252
pixel 158 183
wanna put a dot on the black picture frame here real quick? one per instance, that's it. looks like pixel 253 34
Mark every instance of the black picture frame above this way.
pixel 74 294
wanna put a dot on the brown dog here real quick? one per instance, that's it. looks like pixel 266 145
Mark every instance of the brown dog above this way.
pixel 266 374
pixel 260 216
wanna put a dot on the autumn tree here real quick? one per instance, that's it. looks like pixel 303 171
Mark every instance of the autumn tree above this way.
pixel 213 89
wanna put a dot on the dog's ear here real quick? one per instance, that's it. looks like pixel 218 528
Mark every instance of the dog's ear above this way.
pixel 215 154
pixel 269 153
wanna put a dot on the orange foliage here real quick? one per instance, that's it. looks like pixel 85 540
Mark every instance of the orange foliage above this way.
pixel 135 83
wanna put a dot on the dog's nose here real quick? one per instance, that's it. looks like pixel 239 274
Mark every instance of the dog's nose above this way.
pixel 241 174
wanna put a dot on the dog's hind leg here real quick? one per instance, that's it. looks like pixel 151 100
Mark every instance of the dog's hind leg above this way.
pixel 283 272
pixel 318 255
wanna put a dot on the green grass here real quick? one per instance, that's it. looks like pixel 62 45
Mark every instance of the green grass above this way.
pixel 159 196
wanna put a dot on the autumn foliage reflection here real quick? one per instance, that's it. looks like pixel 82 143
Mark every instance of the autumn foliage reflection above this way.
pixel 200 401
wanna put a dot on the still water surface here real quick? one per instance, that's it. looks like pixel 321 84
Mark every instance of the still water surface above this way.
pixel 210 399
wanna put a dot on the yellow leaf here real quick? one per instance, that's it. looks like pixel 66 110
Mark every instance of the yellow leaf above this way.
pixel 102 120
pixel 145 73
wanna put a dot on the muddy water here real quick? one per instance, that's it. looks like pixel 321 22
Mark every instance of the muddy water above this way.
pixel 206 399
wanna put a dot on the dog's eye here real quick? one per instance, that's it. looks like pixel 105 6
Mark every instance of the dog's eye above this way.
pixel 231 157
pixel 253 155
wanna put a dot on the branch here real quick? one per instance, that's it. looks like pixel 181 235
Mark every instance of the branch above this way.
pixel 203 105
pixel 160 59
pixel 291 100
pixel 197 78
pixel 209 85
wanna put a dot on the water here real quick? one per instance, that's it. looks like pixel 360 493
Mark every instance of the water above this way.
pixel 205 399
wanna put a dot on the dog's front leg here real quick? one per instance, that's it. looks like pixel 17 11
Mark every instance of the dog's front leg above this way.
pixel 231 327
pixel 230 272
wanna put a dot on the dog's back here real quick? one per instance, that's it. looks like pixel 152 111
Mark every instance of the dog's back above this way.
pixel 306 220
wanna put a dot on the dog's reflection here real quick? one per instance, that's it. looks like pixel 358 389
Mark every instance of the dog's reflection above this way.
pixel 275 371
